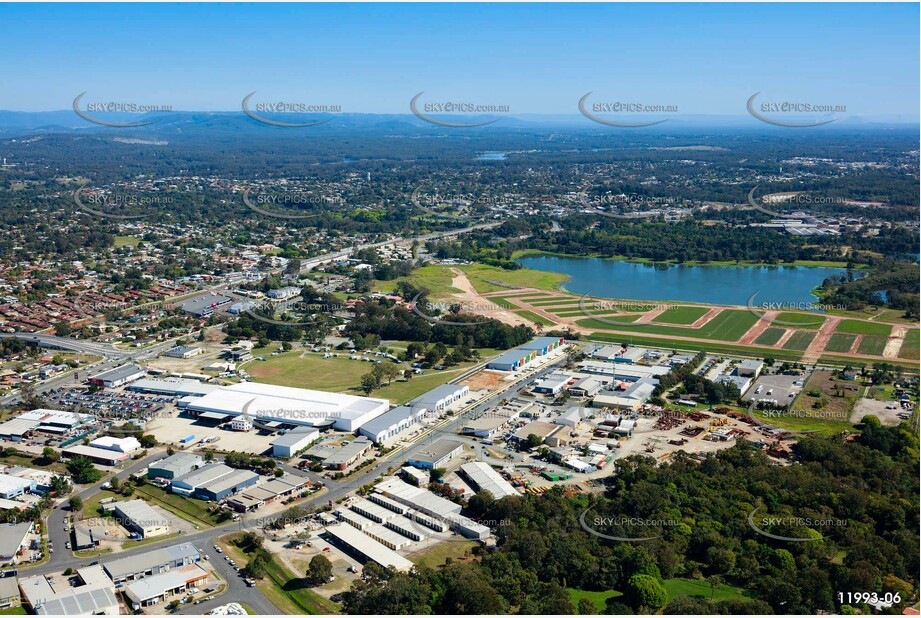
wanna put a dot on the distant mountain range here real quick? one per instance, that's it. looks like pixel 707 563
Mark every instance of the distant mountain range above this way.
pixel 177 123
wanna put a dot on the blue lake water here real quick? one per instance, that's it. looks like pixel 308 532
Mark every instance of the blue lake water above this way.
pixel 722 285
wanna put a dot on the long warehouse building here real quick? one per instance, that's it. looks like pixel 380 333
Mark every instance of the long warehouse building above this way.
pixel 291 406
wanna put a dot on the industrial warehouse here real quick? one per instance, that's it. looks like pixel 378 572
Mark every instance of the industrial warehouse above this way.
pixel 286 405
pixel 214 482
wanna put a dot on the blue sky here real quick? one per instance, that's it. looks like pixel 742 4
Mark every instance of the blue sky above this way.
pixel 535 58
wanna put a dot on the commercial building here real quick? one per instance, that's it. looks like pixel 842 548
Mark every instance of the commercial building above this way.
pixel 552 385
pixel 121 445
pixel 630 399
pixel 517 358
pixel 119 376
pixel 548 433
pixel 183 351
pixel 139 566
pixel 102 456
pixel 173 387
pixel 174 466
pixel 14 486
pixel 441 397
pixel 284 293
pixel 369 549
pixel 204 305
pixel 749 368
pixel 586 387
pixel 543 345
pixel 214 482
pixel 50 421
pixel 9 592
pixel 294 441
pixel 346 455
pixel 282 405
pixel 485 426
pixel 618 354
pixel 512 360
pixel 431 510
pixel 484 478
pixel 572 417
pixel 436 455
pixel 158 588
pixel 389 424
pixel 12 539
pixel 94 594
pixel 256 496
pixel 140 517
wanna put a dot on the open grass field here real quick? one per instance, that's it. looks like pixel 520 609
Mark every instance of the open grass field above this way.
pixel 626 317
pixel 537 319
pixel 857 327
pixel 770 336
pixel 911 345
pixel 598 598
pixel 437 279
pixel 126 241
pixel 677 587
pixel 840 342
pixel 481 276
pixel 342 375
pixel 436 555
pixel 681 315
pixel 504 302
pixel 872 345
pixel 801 320
pixel 800 340
pixel 728 325
pixel 554 302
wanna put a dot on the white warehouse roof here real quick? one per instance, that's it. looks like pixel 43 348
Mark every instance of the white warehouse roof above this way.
pixel 487 479
pixel 297 406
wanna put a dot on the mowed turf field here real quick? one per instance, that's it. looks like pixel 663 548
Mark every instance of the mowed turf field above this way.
pixel 800 340
pixel 800 320
pixel 681 315
pixel 872 345
pixel 840 342
pixel 770 336
pixel 911 345
pixel 857 327
pixel 728 325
